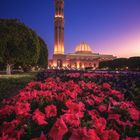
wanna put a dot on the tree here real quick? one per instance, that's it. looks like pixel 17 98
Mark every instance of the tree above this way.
pixel 119 63
pixel 18 44
pixel 105 64
pixel 2 66
pixel 134 63
pixel 43 56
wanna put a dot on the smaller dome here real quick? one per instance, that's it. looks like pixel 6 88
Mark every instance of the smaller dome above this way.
pixel 83 48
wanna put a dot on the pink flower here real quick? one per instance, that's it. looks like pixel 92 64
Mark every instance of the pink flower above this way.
pixel 84 134
pixel 99 125
pixel 25 95
pixel 72 94
pixel 6 110
pixel 127 104
pixel 39 117
pixel 106 85
pixel 134 113
pixel 50 111
pixel 75 108
pixel 22 108
pixel 118 94
pixel 89 85
pixel 9 130
pixel 102 108
pixel 113 135
pixel 94 114
pixel 58 130
pixel 104 135
pixel 5 137
pixel 114 102
pixel 72 119
pixel 114 116
pixel 97 99
pixel 109 108
pixel 90 101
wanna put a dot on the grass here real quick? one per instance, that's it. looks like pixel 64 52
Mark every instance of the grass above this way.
pixel 10 85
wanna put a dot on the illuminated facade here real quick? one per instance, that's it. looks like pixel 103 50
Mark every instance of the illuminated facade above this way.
pixel 83 56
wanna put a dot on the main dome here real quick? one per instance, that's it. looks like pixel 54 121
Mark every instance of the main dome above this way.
pixel 83 48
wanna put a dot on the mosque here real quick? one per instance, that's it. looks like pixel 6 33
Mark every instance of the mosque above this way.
pixel 82 57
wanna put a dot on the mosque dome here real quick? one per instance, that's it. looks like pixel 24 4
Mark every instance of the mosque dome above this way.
pixel 83 48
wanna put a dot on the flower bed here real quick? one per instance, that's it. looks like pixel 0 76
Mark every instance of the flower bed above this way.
pixel 127 83
pixel 58 109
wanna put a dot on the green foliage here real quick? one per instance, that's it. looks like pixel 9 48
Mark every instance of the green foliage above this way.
pixel 133 63
pixel 119 63
pixel 43 57
pixel 18 43
pixel 2 66
pixel 105 64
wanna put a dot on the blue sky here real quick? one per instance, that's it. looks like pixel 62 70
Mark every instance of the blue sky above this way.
pixel 108 26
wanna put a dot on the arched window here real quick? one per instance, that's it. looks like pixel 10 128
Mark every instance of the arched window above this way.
pixel 80 64
pixel 75 64
pixel 59 63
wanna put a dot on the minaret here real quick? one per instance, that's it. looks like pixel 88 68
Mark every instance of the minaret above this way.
pixel 59 27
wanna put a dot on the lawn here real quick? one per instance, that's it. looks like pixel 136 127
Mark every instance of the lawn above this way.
pixel 11 84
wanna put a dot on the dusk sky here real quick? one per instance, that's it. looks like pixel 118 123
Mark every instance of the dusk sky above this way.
pixel 108 26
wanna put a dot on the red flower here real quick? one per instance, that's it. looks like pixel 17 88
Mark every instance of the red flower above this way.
pixel 72 94
pixel 93 113
pixel 5 137
pixel 50 111
pixel 75 108
pixel 39 117
pixel 90 101
pixel 109 108
pixel 9 130
pixel 113 135
pixel 114 116
pixel 127 104
pixel 25 95
pixel 6 110
pixel 72 119
pixel 104 135
pixel 97 99
pixel 106 85
pixel 22 108
pixel 84 134
pixel 114 102
pixel 118 94
pixel 60 97
pixel 134 113
pixel 34 94
pixel 102 108
pixel 100 125
pixel 58 130
pixel 125 123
